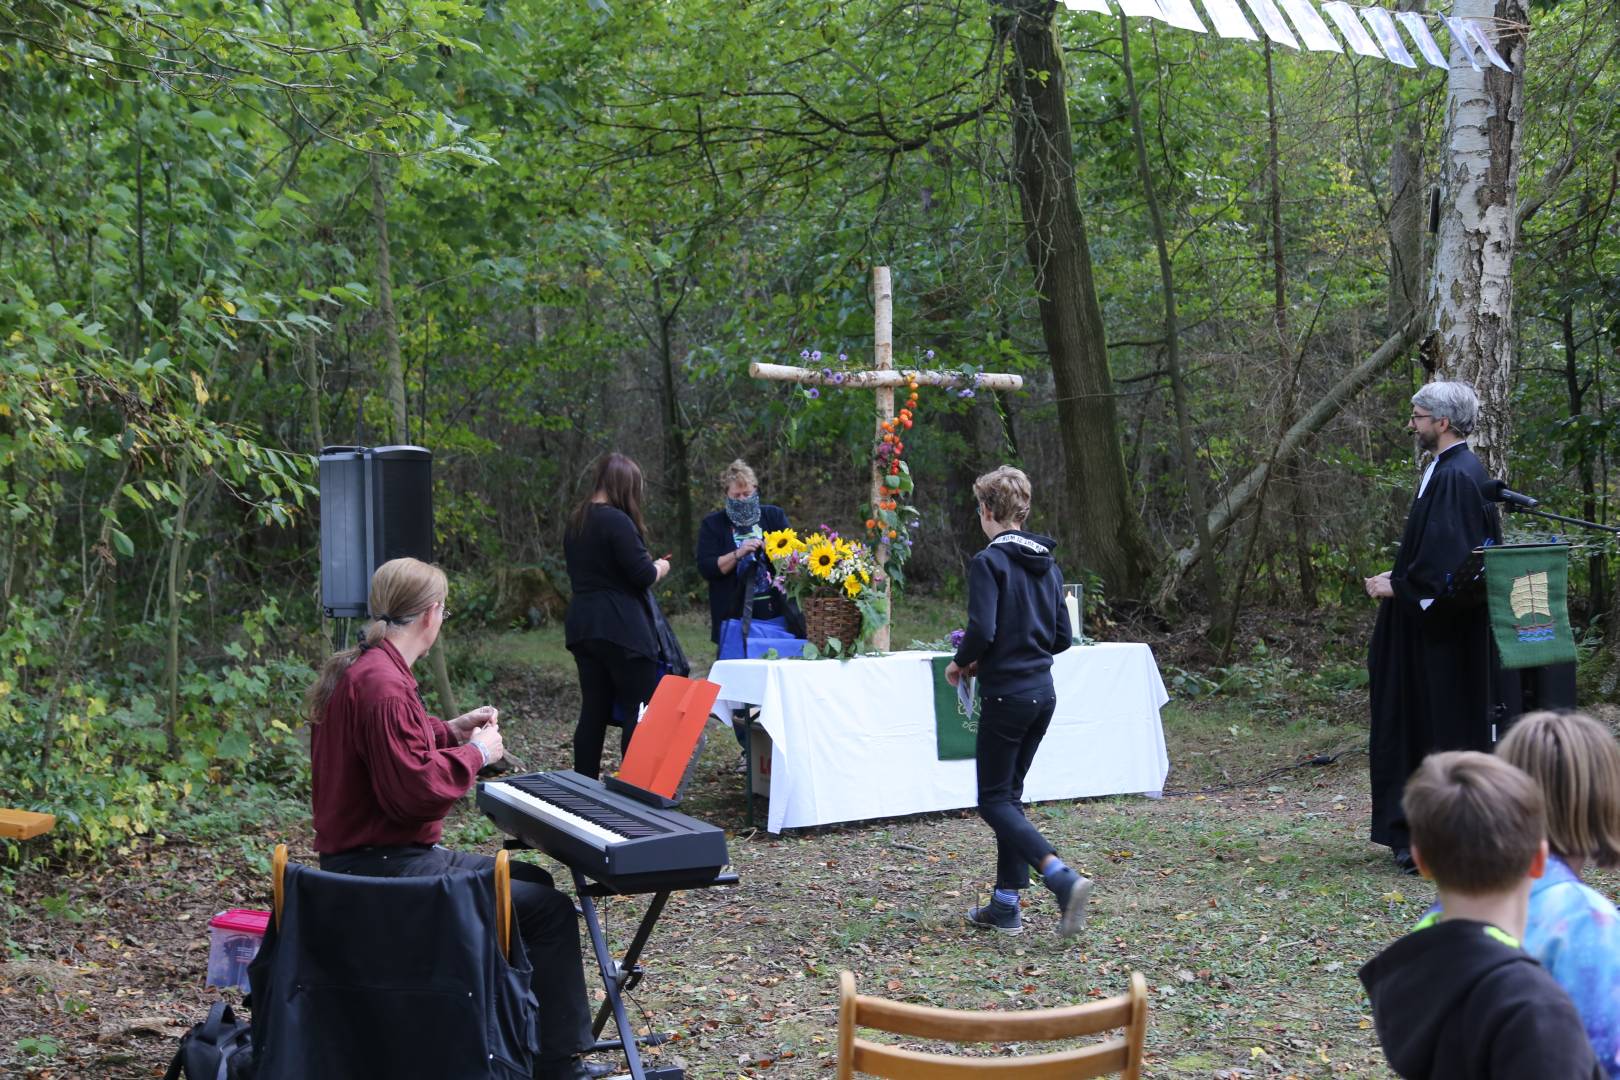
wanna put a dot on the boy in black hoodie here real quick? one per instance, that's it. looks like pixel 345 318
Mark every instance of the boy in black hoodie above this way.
pixel 1458 997
pixel 1016 621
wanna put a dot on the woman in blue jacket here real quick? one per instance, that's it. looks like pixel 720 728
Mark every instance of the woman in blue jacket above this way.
pixel 730 551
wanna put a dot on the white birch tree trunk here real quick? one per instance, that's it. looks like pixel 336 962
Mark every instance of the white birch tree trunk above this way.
pixel 1471 293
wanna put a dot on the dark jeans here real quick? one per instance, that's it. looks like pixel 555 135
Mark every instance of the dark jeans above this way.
pixel 1011 728
pixel 609 674
pixel 545 920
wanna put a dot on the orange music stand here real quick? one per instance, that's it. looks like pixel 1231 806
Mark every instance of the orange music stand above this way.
pixel 666 736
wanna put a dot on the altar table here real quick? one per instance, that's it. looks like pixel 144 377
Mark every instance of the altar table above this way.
pixel 854 739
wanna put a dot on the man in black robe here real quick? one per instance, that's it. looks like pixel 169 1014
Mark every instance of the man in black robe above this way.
pixel 1431 665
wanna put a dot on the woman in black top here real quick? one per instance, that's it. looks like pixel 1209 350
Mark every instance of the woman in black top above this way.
pixel 609 626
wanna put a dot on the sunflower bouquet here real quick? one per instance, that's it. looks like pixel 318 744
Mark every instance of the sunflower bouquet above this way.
pixel 823 564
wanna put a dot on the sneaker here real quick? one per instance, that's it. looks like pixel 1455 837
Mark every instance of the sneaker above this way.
pixel 741 768
pixel 993 916
pixel 1072 892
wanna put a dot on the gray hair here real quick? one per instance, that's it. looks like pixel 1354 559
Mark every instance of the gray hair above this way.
pixel 1453 401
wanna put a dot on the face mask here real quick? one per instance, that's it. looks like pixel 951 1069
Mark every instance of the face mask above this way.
pixel 744 512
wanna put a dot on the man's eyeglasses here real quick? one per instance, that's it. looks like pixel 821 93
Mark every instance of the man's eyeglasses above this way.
pixel 1422 416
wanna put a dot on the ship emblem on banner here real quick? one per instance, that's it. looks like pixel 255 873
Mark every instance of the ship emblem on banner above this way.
pixel 1528 599
pixel 1527 589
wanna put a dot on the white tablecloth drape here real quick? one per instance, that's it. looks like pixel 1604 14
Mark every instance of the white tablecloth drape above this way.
pixel 853 740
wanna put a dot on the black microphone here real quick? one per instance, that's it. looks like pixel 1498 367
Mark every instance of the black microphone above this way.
pixel 1498 491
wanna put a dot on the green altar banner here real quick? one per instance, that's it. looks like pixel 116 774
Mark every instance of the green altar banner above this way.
pixel 956 728
pixel 1528 591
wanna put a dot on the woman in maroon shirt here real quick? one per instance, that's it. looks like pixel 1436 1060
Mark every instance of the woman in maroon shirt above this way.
pixel 384 774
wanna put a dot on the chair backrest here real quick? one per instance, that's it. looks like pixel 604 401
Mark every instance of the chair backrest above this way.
pixel 503 893
pixel 352 964
pixel 668 733
pixel 1121 1054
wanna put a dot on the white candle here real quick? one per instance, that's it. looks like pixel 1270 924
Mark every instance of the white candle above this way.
pixel 1072 602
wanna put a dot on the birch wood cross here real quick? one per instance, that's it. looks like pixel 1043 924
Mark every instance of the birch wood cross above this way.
pixel 882 381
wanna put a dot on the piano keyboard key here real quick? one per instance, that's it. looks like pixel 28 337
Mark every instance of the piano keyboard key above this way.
pixel 549 789
pixel 555 812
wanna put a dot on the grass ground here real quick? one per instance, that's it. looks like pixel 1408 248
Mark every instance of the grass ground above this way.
pixel 1248 901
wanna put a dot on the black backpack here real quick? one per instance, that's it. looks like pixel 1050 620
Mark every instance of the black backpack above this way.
pixel 219 1048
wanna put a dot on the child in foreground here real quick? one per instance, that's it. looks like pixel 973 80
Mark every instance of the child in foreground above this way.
pixel 1016 621
pixel 1458 996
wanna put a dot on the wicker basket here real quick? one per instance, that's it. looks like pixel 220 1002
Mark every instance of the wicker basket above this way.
pixel 831 617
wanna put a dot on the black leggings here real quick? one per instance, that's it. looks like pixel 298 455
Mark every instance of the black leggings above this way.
pixel 1011 727
pixel 545 920
pixel 609 675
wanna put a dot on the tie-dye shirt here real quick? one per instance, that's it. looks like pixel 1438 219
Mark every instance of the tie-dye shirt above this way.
pixel 1575 932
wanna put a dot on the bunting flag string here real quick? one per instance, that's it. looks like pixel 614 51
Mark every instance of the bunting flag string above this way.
pixel 1375 33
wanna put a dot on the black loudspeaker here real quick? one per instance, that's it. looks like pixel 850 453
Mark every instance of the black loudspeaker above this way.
pixel 376 505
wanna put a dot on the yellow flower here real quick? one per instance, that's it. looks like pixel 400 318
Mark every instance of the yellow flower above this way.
pixel 823 556
pixel 782 543
pixel 852 587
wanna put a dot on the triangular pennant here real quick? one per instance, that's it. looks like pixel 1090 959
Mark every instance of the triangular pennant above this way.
pixel 1383 28
pixel 1180 13
pixel 1271 21
pixel 1462 39
pixel 1312 30
pixel 1228 20
pixel 1419 30
pixel 1355 35
pixel 1142 9
pixel 1099 6
pixel 1485 43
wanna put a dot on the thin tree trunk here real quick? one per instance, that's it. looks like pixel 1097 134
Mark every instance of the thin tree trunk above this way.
pixel 395 376
pixel 1596 562
pixel 101 558
pixel 1104 517
pixel 1472 287
pixel 1406 203
pixel 678 466
pixel 1191 476
pixel 177 555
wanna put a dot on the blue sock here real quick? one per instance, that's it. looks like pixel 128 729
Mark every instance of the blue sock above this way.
pixel 1056 867
pixel 1005 897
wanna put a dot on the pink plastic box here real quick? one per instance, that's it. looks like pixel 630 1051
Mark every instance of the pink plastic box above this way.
pixel 234 937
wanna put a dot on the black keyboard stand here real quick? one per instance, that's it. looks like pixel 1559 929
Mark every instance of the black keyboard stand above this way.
pixel 620 978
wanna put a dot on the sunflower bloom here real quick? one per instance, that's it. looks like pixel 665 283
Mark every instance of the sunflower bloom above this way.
pixel 852 586
pixel 782 543
pixel 823 557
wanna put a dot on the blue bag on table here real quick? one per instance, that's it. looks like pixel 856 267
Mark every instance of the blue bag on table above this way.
pixel 763 636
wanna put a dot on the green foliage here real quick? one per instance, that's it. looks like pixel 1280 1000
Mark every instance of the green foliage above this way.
pixel 112 777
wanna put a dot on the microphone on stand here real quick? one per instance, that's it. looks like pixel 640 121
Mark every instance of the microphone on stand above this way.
pixel 1498 491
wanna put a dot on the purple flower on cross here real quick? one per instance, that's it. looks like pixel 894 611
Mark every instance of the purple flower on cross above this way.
pixel 816 356
pixel 966 393
pixel 812 392
pixel 929 354
pixel 838 378
pixel 826 373
pixel 804 354
pixel 843 358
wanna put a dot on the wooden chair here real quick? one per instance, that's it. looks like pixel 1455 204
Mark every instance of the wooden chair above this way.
pixel 24 824
pixel 503 892
pixel 1121 1054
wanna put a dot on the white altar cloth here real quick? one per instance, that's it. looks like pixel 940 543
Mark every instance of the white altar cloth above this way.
pixel 854 739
